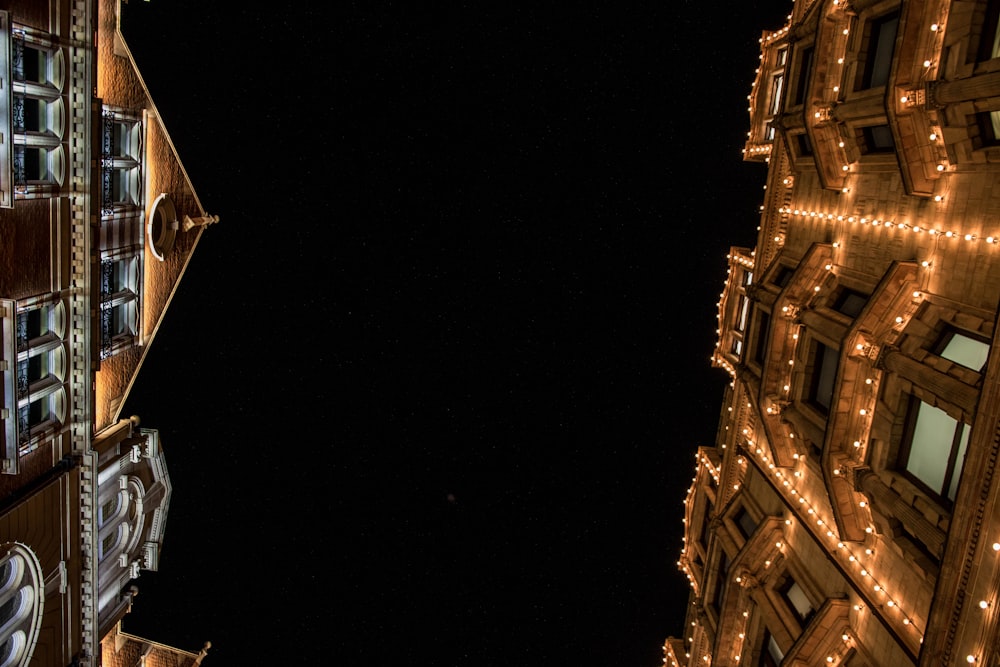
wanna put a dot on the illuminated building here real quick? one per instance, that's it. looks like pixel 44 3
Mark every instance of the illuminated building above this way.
pixel 849 511
pixel 98 222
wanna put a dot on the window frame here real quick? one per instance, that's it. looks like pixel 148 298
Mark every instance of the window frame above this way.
pixel 121 284
pixel 803 71
pixel 845 299
pixel 767 658
pixel 40 401
pixel 873 59
pixel 948 336
pixel 37 156
pixel 952 468
pixel 121 163
pixel 871 139
pixel 821 376
pixel 26 584
pixel 989 37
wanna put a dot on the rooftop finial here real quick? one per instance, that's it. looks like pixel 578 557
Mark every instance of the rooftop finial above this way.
pixel 190 223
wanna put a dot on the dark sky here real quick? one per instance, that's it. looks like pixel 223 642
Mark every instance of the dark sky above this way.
pixel 429 391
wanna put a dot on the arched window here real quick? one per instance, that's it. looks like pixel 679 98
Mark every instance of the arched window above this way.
pixel 12 650
pixel 20 603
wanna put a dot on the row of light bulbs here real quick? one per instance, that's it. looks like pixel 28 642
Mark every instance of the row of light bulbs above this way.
pixel 889 224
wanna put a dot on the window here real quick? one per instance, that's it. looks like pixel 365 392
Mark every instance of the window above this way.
pixel 989 40
pixel 743 309
pixel 760 342
pixel 110 509
pixel 804 144
pixel 36 117
pixel 12 649
pixel 720 581
pixel 32 63
pixel 31 167
pixel 877 58
pixel 988 123
pixel 797 600
pixel 121 159
pixel 119 303
pixel 40 373
pixel 705 534
pixel 745 522
pixel 805 70
pixel 933 449
pixel 962 350
pixel 19 599
pixel 783 276
pixel 771 654
pixel 777 84
pixel 849 302
pixel 108 543
pixel 29 114
pixel 822 374
pixel 876 139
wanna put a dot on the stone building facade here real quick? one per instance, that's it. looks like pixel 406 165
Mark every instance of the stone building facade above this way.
pixel 848 512
pixel 92 246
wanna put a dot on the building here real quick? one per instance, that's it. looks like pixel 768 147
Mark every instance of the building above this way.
pixel 98 222
pixel 847 513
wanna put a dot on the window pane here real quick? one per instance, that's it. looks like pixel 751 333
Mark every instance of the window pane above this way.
pixel 34 115
pixel 805 67
pixel 5 573
pixel 933 435
pixel 744 310
pixel 776 89
pixel 746 523
pixel 824 374
pixel 34 65
pixel 760 345
pixel 878 139
pixel 34 163
pixel 963 443
pixel 774 651
pixel 805 144
pixel 119 187
pixel 7 609
pixel 119 319
pixel 966 351
pixel 798 598
pixel 880 51
pixel 38 412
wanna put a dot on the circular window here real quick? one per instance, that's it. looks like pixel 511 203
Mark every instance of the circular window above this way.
pixel 162 227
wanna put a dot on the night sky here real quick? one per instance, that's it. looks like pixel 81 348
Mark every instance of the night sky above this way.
pixel 430 390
